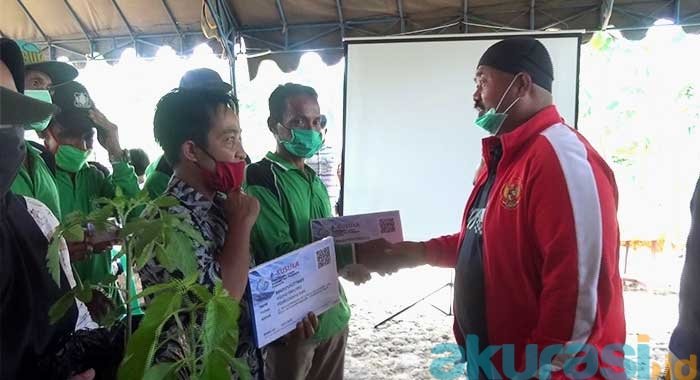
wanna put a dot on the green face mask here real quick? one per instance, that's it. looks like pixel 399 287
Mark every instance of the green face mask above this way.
pixel 44 96
pixel 71 159
pixel 491 121
pixel 304 143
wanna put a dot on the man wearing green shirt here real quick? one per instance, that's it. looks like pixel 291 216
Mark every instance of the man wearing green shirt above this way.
pixel 35 180
pixel 158 175
pixel 78 183
pixel 35 177
pixel 291 195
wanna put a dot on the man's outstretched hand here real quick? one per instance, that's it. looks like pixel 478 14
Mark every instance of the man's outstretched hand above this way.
pixel 357 273
pixel 412 252
pixel 383 257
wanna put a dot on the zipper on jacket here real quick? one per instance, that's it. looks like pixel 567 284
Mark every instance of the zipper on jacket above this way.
pixel 495 154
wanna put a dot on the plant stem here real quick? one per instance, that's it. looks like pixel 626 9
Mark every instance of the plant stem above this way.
pixel 193 336
pixel 129 285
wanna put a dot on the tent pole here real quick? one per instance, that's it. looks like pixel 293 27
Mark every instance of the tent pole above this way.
pixel 399 6
pixel 226 28
pixel 465 15
pixel 606 9
pixel 341 21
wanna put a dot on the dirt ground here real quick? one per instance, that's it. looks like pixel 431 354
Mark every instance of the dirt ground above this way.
pixel 418 344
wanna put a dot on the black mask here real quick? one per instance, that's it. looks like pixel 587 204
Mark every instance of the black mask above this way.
pixel 12 152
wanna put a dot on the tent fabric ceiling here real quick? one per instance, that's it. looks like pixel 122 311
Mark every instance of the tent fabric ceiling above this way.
pixel 282 30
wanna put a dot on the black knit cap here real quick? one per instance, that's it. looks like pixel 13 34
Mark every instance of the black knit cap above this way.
pixel 521 54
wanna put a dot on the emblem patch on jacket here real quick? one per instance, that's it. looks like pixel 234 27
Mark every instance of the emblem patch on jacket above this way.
pixel 510 195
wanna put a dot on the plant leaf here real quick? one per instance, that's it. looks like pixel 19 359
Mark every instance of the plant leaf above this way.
pixel 109 279
pixel 160 371
pixel 164 259
pixel 141 347
pixel 78 280
pixel 216 367
pixel 134 226
pixel 102 214
pixel 201 292
pixel 73 218
pixel 154 289
pixel 74 233
pixel 147 235
pixel 170 220
pixel 191 233
pixel 142 197
pixel 59 308
pixel 220 334
pixel 102 201
pixel 241 368
pixel 84 294
pixel 181 252
pixel 53 263
pixel 166 201
pixel 113 316
pixel 118 192
pixel 146 254
pixel 190 279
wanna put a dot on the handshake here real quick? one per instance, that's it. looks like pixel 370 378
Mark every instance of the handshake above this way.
pixel 384 258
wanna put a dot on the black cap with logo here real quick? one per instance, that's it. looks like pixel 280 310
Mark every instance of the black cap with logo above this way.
pixel 75 103
pixel 204 79
pixel 16 108
pixel 59 72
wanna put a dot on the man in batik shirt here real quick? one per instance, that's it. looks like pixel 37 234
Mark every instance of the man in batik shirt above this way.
pixel 199 132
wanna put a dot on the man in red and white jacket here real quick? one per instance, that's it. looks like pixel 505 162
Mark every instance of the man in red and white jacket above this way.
pixel 536 261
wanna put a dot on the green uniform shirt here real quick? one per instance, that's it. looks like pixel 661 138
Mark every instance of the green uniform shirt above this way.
pixel 289 199
pixel 37 182
pixel 77 192
pixel 156 180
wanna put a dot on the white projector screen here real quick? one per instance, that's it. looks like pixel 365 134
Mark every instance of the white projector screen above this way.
pixel 410 142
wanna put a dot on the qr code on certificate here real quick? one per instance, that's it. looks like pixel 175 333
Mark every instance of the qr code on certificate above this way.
pixel 387 226
pixel 323 257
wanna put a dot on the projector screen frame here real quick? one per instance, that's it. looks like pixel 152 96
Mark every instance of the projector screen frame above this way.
pixel 578 34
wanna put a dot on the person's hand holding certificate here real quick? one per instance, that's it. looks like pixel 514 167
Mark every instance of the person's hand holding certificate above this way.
pixel 284 290
pixel 361 230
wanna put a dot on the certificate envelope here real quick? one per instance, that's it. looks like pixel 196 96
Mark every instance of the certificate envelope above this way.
pixel 284 290
pixel 359 228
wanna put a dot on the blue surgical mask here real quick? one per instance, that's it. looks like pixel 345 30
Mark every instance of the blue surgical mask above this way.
pixel 44 96
pixel 492 120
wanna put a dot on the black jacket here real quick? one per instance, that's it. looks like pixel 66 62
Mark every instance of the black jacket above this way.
pixel 685 340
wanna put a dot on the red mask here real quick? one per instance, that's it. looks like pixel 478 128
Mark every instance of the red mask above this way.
pixel 227 176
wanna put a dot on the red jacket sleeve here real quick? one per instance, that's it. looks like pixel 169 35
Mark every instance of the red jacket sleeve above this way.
pixel 572 213
pixel 442 251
